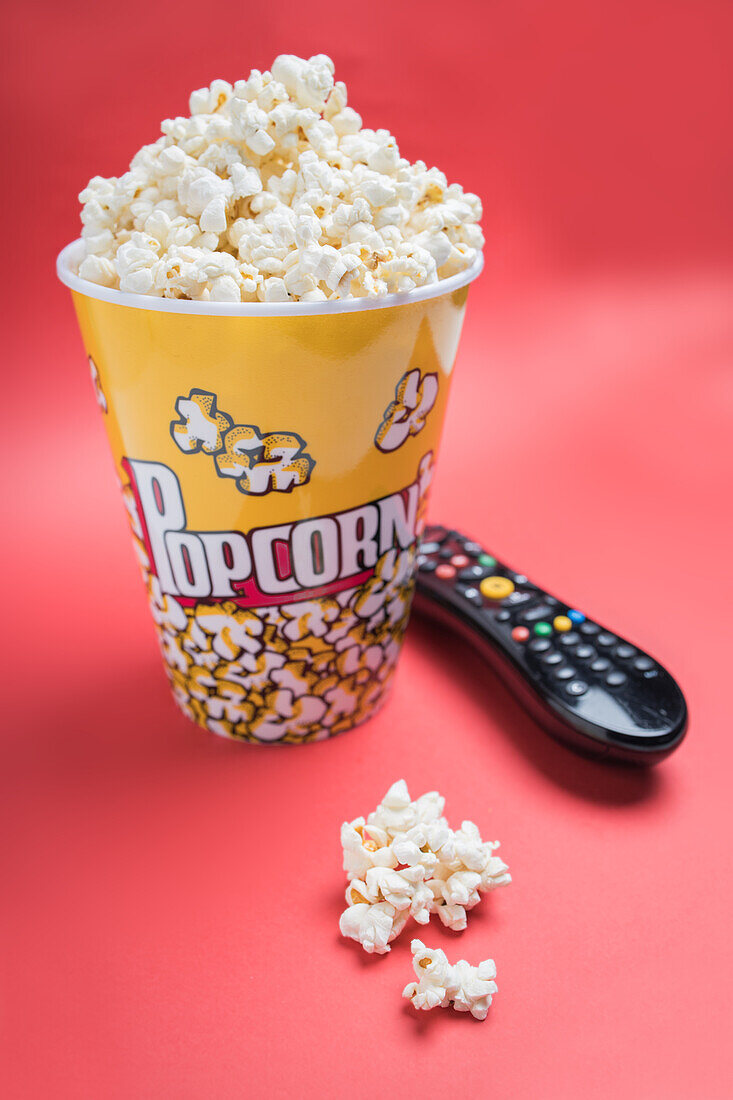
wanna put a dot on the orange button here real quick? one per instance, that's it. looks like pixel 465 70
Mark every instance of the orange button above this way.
pixel 496 588
pixel 562 623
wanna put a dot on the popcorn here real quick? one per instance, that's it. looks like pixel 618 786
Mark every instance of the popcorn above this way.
pixel 272 191
pixel 405 855
pixel 467 988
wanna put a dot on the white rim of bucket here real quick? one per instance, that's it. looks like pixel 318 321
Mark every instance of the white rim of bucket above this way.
pixel 70 257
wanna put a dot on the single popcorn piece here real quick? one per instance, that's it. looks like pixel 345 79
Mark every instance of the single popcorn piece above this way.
pixel 272 191
pixel 406 856
pixel 464 987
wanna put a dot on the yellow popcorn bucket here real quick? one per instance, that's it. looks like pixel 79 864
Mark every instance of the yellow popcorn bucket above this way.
pixel 275 461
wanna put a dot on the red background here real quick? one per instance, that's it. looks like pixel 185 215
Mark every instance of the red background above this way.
pixel 170 900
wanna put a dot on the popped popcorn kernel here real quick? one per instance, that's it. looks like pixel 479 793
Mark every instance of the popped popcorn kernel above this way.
pixel 406 856
pixel 461 986
pixel 272 191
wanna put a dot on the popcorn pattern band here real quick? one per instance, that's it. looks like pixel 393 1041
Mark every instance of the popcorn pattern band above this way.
pixel 291 672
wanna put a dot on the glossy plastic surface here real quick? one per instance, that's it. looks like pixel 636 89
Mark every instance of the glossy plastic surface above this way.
pixel 586 685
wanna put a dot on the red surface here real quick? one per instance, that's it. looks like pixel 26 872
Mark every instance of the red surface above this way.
pixel 169 923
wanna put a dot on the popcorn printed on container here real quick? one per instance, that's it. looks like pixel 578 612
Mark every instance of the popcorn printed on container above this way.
pixel 258 463
pixel 295 672
pixel 272 191
pixel 404 861
pixel 415 395
pixel 96 382
pixel 464 987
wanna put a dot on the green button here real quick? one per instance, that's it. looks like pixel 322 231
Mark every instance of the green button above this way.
pixel 487 561
pixel 542 628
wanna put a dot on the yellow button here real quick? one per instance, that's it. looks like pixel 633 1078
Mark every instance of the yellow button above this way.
pixel 496 588
pixel 562 623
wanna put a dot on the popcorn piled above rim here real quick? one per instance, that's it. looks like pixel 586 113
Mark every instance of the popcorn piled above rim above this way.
pixel 405 861
pixel 273 192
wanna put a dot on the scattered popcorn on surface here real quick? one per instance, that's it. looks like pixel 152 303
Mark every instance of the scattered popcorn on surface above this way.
pixel 405 860
pixel 467 988
pixel 271 191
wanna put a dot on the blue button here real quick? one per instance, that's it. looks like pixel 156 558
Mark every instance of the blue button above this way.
pixel 576 616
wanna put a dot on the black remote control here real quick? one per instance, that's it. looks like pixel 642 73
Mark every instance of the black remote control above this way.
pixel 584 684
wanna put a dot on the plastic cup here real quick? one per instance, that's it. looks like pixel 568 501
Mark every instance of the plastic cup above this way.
pixel 275 461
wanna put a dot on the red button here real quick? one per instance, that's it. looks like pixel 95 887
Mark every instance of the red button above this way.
pixel 520 634
pixel 445 571
pixel 460 561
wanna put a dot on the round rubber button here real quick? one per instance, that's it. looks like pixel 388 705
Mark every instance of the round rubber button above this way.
pixel 624 651
pixel 445 571
pixel 576 687
pixel 569 639
pixel 552 657
pixel 588 629
pixel 487 561
pixel 503 616
pixel 643 664
pixel 585 652
pixel 601 664
pixel 460 561
pixel 539 645
pixel 496 588
pixel 429 547
pixel 615 679
pixel 472 547
pixel 565 673
pixel 473 596
pixel 543 629
pixel 427 565
pixel 576 616
pixel 562 623
pixel 520 634
pixel 605 639
pixel 472 573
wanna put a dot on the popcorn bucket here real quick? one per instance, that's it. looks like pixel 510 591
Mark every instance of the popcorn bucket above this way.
pixel 275 461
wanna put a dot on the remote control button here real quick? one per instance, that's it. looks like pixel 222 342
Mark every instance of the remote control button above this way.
pixel 496 588
pixel 543 629
pixel 445 553
pixel 429 547
pixel 601 664
pixel 576 616
pixel 565 673
pixel 541 611
pixel 516 598
pixel 520 634
pixel 552 657
pixel 643 664
pixel 576 687
pixel 624 651
pixel 539 645
pixel 487 561
pixel 460 561
pixel 427 565
pixel 569 639
pixel 589 629
pixel 503 616
pixel 445 571
pixel 472 573
pixel 585 652
pixel 562 623
pixel 615 679
pixel 605 639
pixel 472 595
pixel 472 547
pixel 518 578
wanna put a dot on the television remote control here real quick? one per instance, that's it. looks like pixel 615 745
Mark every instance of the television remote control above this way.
pixel 587 686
